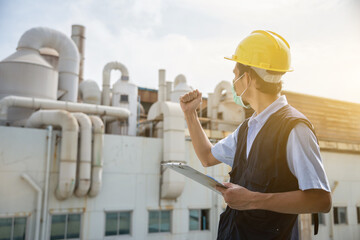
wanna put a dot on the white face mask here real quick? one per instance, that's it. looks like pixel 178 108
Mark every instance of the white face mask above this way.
pixel 238 99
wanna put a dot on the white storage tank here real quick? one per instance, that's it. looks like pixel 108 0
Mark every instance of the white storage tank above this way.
pixel 26 73
pixel 180 88
pixel 125 94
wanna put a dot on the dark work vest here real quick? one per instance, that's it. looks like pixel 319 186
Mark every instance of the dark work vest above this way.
pixel 265 170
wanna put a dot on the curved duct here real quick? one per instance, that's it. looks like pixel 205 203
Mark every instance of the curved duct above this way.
pixel 89 92
pixel 225 114
pixel 172 183
pixel 42 37
pixel 216 98
pixel 84 158
pixel 69 142
pixel 97 156
pixel 38 103
pixel 218 93
pixel 106 79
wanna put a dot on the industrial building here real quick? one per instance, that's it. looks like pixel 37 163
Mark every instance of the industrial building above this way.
pixel 80 162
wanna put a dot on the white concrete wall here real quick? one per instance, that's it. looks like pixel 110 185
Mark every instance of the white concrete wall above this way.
pixel 21 153
pixel 131 182
pixel 343 168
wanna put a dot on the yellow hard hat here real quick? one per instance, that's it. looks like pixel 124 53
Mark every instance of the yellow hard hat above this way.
pixel 264 49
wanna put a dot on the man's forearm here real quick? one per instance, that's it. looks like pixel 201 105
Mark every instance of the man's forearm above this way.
pixel 200 141
pixel 295 202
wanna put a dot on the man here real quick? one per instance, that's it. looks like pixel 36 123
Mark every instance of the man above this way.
pixel 277 170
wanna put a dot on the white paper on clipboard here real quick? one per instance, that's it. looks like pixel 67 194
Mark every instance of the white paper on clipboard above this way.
pixel 195 175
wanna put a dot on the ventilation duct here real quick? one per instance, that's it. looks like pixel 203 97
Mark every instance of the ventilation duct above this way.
pixel 41 37
pixel 106 79
pixel 69 143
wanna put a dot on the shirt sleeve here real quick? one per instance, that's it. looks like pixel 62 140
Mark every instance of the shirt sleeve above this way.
pixel 225 149
pixel 304 160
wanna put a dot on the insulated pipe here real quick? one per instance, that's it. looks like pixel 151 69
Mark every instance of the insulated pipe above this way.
pixel 41 37
pixel 38 205
pixel 106 79
pixel 169 86
pixel 172 183
pixel 47 177
pixel 78 36
pixel 38 103
pixel 162 86
pixel 69 142
pixel 97 156
pixel 84 159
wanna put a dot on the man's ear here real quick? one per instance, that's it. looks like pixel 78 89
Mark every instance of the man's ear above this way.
pixel 248 78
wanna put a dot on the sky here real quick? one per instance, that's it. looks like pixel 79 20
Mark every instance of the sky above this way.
pixel 191 37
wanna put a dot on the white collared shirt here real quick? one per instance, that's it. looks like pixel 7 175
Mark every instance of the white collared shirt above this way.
pixel 303 152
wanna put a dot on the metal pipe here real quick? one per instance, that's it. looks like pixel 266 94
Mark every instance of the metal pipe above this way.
pixel 69 142
pixel 162 86
pixel 38 205
pixel 78 36
pixel 106 79
pixel 38 103
pixel 84 160
pixel 169 86
pixel 41 37
pixel 97 156
pixel 47 178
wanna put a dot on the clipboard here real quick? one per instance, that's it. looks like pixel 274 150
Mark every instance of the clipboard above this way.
pixel 195 175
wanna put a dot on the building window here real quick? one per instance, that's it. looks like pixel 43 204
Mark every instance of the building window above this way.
pixel 358 214
pixel 321 219
pixel 117 223
pixel 65 226
pixel 13 228
pixel 124 98
pixel 159 221
pixel 198 219
pixel 340 215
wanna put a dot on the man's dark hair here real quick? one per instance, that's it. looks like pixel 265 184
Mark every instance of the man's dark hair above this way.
pixel 261 85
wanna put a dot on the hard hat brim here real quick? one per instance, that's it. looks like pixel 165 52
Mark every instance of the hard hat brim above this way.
pixel 252 65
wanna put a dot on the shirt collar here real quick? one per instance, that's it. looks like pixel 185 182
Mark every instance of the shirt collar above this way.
pixel 272 108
